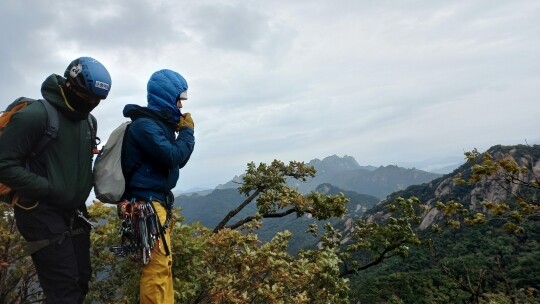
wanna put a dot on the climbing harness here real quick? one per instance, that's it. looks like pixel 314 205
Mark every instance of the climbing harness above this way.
pixel 34 246
pixel 139 230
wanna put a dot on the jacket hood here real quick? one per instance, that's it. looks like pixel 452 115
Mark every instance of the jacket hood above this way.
pixel 52 91
pixel 134 112
pixel 163 88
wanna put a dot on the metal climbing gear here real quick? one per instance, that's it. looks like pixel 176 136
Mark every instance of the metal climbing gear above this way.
pixel 139 230
pixel 82 217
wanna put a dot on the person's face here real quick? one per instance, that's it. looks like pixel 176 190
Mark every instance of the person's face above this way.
pixel 179 103
pixel 92 100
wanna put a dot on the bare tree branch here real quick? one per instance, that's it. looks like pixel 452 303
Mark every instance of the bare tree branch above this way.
pixel 234 212
pixel 266 215
pixel 382 256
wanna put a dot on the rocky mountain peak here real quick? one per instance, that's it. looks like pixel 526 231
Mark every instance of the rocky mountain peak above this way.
pixel 334 163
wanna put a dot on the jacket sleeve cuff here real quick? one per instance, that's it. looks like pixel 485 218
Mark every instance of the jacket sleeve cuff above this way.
pixel 186 134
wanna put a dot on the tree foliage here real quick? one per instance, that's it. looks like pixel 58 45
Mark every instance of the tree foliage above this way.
pixel 368 242
pixel 266 185
pixel 18 278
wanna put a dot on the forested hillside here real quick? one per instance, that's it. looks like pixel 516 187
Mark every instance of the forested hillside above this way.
pixel 465 265
pixel 494 260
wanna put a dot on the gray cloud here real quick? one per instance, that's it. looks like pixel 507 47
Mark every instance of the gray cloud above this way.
pixel 385 82
pixel 228 26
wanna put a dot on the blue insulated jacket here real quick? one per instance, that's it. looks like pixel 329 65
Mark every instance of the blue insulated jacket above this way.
pixel 153 153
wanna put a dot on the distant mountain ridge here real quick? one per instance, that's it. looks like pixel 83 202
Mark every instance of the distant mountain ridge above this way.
pixel 345 173
pixel 334 175
pixel 333 172
pixel 379 182
pixel 335 164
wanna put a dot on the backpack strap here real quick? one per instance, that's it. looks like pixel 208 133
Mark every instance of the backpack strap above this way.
pixel 127 173
pixel 53 126
pixel 52 129
pixel 94 140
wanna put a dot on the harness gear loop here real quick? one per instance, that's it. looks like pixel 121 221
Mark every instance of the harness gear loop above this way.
pixel 15 202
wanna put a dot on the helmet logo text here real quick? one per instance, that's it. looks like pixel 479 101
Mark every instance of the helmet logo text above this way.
pixel 102 85
pixel 75 70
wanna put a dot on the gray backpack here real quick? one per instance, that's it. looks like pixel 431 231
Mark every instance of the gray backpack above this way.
pixel 109 180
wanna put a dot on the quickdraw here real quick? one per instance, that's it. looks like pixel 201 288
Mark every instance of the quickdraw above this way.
pixel 139 230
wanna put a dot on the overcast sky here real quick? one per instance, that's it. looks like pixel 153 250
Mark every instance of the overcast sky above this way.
pixel 387 82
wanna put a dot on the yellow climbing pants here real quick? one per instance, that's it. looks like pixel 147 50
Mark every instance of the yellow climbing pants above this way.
pixel 156 278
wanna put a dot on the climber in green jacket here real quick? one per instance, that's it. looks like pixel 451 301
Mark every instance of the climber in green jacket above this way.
pixel 51 188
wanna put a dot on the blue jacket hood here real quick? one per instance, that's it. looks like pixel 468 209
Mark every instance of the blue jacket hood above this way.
pixel 163 89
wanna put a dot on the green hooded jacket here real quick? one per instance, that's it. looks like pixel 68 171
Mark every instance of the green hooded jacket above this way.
pixel 62 174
